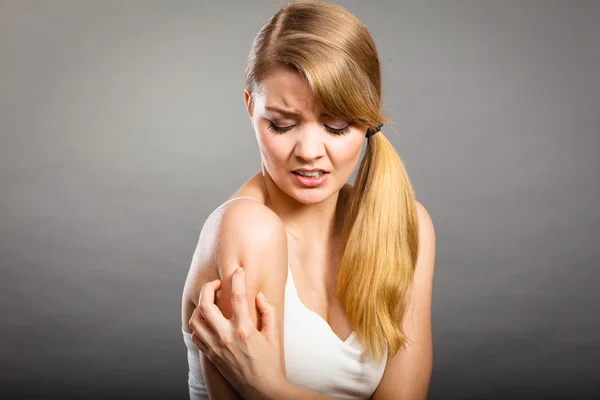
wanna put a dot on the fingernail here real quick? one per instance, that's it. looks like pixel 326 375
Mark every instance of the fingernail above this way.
pixel 262 296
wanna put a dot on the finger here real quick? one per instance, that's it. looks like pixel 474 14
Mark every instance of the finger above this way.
pixel 205 338
pixel 199 344
pixel 196 319
pixel 239 303
pixel 209 310
pixel 267 315
pixel 214 285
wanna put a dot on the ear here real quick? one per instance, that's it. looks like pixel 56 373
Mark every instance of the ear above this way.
pixel 248 102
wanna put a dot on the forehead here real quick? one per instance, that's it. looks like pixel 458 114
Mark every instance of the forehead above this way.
pixel 286 87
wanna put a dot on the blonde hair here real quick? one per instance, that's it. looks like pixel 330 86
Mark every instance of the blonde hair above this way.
pixel 335 54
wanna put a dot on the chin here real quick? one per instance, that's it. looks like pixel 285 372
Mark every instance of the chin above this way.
pixel 312 198
pixel 311 195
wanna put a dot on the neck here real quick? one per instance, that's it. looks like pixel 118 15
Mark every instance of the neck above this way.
pixel 311 226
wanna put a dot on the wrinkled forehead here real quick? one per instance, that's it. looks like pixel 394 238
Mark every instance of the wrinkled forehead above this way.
pixel 286 88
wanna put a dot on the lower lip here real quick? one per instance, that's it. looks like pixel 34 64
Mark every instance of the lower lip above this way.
pixel 311 182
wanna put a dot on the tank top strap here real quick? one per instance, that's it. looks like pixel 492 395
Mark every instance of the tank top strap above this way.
pixel 243 197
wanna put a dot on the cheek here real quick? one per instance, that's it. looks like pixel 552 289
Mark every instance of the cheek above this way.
pixel 347 152
pixel 271 146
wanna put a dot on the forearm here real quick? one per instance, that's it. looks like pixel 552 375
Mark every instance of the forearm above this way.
pixel 217 386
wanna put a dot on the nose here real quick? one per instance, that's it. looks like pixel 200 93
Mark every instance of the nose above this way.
pixel 310 144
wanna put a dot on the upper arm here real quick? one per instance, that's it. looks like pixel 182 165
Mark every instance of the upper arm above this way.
pixel 407 374
pixel 247 234
pixel 253 237
pixel 244 234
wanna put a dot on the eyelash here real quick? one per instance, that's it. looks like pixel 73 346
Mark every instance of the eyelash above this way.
pixel 278 130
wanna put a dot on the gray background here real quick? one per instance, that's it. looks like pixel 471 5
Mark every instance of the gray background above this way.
pixel 122 126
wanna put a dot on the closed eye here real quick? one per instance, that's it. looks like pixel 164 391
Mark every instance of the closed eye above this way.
pixel 341 131
pixel 280 129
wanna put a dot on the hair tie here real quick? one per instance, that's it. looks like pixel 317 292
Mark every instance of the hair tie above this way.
pixel 371 132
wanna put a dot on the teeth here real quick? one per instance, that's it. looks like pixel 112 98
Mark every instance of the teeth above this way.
pixel 310 174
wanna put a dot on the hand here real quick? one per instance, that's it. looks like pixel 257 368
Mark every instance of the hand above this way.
pixel 249 359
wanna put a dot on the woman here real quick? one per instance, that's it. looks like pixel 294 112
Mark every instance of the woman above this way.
pixel 349 302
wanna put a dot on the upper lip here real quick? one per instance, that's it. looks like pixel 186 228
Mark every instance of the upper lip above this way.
pixel 308 170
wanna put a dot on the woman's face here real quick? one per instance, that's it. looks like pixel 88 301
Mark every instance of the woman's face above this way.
pixel 292 134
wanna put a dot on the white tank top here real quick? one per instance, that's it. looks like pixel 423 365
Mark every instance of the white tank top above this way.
pixel 315 357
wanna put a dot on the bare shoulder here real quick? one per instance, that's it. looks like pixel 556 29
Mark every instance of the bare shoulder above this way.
pixel 426 227
pixel 424 267
pixel 247 224
pixel 242 233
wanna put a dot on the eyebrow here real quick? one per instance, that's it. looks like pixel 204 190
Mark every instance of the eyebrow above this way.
pixel 290 112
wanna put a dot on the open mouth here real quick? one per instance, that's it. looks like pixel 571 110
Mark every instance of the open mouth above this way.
pixel 311 181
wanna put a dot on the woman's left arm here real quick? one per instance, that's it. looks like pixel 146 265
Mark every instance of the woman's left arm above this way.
pixel 246 356
pixel 408 372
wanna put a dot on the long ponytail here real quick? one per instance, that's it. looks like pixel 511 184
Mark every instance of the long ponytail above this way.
pixel 381 244
pixel 342 67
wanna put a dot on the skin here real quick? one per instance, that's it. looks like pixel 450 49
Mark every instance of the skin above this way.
pixel 309 214
pixel 230 333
